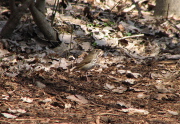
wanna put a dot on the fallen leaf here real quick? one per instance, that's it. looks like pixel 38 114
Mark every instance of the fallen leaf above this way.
pixel 120 89
pixel 28 100
pixel 134 110
pixel 108 86
pixel 40 85
pixel 173 112
pixel 78 98
pixel 9 115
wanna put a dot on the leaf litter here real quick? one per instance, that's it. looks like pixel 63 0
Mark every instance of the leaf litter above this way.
pixel 137 77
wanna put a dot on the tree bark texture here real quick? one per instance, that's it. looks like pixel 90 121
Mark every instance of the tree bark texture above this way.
pixel 14 19
pixel 40 5
pixel 42 23
pixel 167 8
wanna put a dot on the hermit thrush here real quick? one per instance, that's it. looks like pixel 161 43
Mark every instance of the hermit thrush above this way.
pixel 90 60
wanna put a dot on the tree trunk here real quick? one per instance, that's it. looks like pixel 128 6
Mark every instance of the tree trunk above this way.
pixel 14 19
pixel 167 8
pixel 43 25
pixel 40 5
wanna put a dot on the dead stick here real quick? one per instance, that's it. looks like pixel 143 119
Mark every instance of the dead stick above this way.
pixel 133 36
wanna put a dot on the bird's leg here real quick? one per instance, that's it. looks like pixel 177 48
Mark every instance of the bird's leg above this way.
pixel 87 77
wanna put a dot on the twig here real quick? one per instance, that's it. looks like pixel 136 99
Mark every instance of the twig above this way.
pixel 115 5
pixel 109 114
pixel 167 14
pixel 31 119
pixel 54 11
pixel 133 36
pixel 60 99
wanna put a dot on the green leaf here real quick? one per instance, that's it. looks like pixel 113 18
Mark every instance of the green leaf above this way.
pixel 94 44
pixel 128 34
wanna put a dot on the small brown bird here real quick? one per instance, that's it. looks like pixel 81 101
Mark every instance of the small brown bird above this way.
pixel 89 61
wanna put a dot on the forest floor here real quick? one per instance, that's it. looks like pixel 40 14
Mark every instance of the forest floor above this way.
pixel 142 86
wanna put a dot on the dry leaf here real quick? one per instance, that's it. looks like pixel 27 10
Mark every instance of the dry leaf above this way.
pixel 28 100
pixel 134 111
pixel 9 115
pixel 78 98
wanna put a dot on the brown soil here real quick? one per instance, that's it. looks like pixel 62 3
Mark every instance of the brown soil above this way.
pixel 99 109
